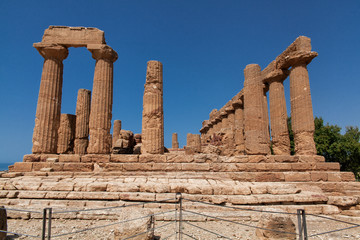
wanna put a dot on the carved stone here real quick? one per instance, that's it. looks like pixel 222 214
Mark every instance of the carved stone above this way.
pixel 66 133
pixel 175 143
pixel 48 109
pixel 82 121
pixel 102 99
pixel 153 115
pixel 116 131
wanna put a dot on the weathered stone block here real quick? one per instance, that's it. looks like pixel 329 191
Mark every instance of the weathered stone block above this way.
pixel 137 166
pixel 195 166
pixel 297 177
pixel 179 158
pixel 269 177
pixel 123 158
pixel 31 158
pixel 343 201
pixel 23 167
pixel 99 158
pixel 69 158
pixel 318 176
pixel 155 158
pixel 78 167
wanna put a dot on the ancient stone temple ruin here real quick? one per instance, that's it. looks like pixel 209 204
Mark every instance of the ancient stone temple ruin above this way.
pixel 235 160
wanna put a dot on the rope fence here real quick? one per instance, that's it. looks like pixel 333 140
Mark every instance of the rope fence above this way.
pixel 178 224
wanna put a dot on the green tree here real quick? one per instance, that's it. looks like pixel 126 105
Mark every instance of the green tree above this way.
pixel 334 146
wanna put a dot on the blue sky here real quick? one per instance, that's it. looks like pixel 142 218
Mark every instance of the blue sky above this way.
pixel 204 47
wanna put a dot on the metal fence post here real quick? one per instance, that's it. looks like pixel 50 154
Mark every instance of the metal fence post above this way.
pixel 304 224
pixel 298 213
pixel 43 230
pixel 49 224
pixel 179 233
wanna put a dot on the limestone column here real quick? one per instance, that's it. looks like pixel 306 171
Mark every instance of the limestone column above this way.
pixel 224 121
pixel 102 99
pixel 116 131
pixel 175 143
pixel 256 141
pixel 193 143
pixel 302 119
pixel 231 117
pixel 153 113
pixel 266 113
pixel 48 109
pixel 278 114
pixel 239 126
pixel 82 121
pixel 66 133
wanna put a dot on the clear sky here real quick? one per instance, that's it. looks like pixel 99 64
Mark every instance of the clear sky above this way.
pixel 204 46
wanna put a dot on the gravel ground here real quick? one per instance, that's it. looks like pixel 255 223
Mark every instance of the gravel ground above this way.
pixel 230 230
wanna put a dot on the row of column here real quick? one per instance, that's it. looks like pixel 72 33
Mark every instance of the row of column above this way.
pixel 47 121
pixel 251 121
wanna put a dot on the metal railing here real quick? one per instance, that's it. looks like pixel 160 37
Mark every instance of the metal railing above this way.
pixel 179 222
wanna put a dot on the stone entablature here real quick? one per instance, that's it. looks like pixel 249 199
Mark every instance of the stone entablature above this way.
pixel 253 109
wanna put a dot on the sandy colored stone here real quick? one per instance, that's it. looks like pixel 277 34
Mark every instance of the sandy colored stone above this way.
pixel 153 113
pixel 91 158
pixel 47 119
pixel 69 158
pixel 116 131
pixel 78 167
pixel 277 222
pixel 66 134
pixel 82 121
pixel 131 228
pixel 73 36
pixel 102 99
pixel 23 167
pixel 256 141
pixel 174 142
pixel 122 158
pixel 278 115
pixel 193 143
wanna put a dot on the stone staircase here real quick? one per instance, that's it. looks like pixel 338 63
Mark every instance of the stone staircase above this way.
pixel 255 182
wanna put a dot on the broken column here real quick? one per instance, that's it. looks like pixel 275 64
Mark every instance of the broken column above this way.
pixel 82 121
pixel 256 141
pixel 302 118
pixel 193 143
pixel 116 131
pixel 239 126
pixel 278 114
pixel 102 98
pixel 66 134
pixel 175 143
pixel 153 115
pixel 48 109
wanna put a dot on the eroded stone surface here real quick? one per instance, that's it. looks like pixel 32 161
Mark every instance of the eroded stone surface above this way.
pixel 82 121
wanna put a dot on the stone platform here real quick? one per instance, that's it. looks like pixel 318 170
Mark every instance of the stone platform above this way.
pixel 91 181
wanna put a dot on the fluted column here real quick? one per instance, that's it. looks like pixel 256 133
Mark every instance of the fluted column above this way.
pixel 116 131
pixel 82 121
pixel 153 113
pixel 224 121
pixel 102 99
pixel 66 133
pixel 175 143
pixel 239 126
pixel 302 119
pixel 278 114
pixel 48 109
pixel 256 141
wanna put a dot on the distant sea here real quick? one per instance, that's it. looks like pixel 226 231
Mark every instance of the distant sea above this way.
pixel 4 166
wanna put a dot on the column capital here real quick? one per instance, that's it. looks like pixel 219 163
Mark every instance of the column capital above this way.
pixel 277 75
pixel 54 51
pixel 229 109
pixel 237 104
pixel 297 58
pixel 102 51
pixel 222 114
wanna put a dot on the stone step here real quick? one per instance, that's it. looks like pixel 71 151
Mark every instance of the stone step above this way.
pixel 312 176
pixel 170 157
pixel 240 212
pixel 196 167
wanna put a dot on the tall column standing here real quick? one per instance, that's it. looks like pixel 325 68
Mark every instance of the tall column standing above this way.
pixel 153 113
pixel 48 109
pixel 175 143
pixel 256 141
pixel 116 131
pixel 302 118
pixel 82 121
pixel 239 126
pixel 278 114
pixel 102 98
